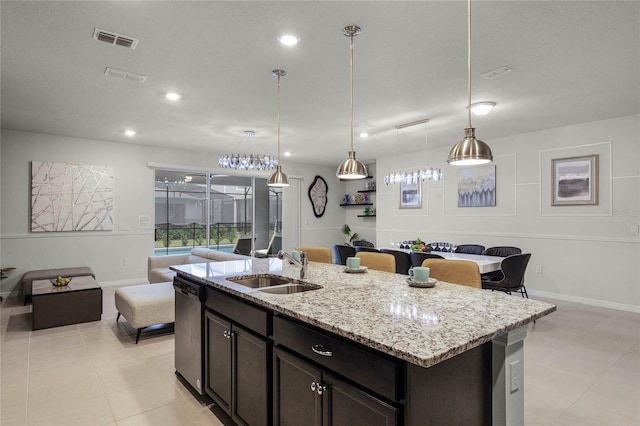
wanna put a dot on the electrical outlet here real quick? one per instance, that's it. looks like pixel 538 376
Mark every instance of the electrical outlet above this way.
pixel 538 269
pixel 514 367
pixel 635 229
pixel 125 262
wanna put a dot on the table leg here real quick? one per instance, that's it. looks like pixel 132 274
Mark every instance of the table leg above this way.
pixel 508 378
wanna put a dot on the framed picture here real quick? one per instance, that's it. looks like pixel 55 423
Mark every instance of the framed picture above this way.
pixel 410 196
pixel 574 181
pixel 477 187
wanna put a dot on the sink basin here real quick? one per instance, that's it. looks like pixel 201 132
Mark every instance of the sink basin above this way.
pixel 288 289
pixel 274 284
pixel 261 281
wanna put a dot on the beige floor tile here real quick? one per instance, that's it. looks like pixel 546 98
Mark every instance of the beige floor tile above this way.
pixel 558 383
pixel 55 358
pixel 130 402
pixel 58 341
pixel 581 414
pixel 13 415
pixel 76 382
pixel 615 393
pixel 126 376
pixel 175 414
pixel 67 412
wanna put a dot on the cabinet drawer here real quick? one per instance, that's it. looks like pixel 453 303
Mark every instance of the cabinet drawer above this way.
pixel 243 313
pixel 358 364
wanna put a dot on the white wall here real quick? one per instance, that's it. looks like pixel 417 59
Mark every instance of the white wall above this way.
pixel 586 254
pixel 107 252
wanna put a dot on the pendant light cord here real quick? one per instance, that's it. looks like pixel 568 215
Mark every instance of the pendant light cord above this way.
pixel 278 118
pixel 469 59
pixel 351 48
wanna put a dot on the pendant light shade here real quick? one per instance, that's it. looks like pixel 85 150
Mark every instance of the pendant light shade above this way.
pixel 469 151
pixel 278 178
pixel 351 168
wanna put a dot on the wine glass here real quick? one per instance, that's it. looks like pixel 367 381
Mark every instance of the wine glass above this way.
pixel 433 245
pixel 454 246
pixel 447 247
pixel 392 242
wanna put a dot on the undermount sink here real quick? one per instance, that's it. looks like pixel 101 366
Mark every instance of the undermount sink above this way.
pixel 274 284
pixel 260 281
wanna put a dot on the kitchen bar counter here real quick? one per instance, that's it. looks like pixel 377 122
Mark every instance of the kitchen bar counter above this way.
pixel 423 326
pixel 458 342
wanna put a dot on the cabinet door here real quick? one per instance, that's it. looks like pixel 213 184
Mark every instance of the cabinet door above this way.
pixel 295 398
pixel 251 363
pixel 346 405
pixel 218 360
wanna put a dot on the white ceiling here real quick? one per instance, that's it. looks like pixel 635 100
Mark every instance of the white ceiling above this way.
pixel 572 62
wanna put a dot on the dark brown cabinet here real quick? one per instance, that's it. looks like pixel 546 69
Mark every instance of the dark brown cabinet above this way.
pixel 305 394
pixel 237 369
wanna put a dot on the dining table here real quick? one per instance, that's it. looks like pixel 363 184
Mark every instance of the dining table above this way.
pixel 485 263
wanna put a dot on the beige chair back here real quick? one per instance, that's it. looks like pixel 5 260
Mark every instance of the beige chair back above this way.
pixel 378 261
pixel 461 272
pixel 318 254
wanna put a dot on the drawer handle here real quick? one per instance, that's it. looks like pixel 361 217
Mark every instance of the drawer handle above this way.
pixel 321 389
pixel 320 349
pixel 313 386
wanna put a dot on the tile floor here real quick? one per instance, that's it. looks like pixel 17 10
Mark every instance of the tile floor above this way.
pixel 582 367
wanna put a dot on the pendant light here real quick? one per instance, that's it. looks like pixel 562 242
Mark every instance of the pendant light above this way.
pixel 278 178
pixel 469 151
pixel 351 168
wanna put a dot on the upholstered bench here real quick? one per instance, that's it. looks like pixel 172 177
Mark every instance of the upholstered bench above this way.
pixel 146 305
pixel 44 274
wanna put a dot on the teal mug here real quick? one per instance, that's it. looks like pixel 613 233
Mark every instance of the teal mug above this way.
pixel 353 262
pixel 419 274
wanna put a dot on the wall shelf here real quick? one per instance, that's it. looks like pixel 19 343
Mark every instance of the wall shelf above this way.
pixel 366 191
pixel 366 215
pixel 359 204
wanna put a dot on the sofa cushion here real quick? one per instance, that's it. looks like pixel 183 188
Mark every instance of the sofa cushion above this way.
pixel 159 275
pixel 196 259
pixel 222 256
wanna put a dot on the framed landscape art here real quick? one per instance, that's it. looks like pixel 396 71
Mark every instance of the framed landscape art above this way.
pixel 574 181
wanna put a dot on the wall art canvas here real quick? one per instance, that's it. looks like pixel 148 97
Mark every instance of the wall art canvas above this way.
pixel 477 187
pixel 71 197
pixel 410 195
pixel 574 181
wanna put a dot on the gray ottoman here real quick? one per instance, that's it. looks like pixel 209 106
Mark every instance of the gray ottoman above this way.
pixel 146 305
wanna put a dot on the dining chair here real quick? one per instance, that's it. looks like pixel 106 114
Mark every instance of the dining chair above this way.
pixel 513 269
pixel 463 272
pixel 363 243
pixel 403 260
pixel 363 248
pixel 417 257
pixel 317 254
pixel 470 249
pixel 378 261
pixel 499 251
pixel 502 251
pixel 341 252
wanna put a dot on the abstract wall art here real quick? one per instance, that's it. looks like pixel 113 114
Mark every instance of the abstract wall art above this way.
pixel 477 187
pixel 574 181
pixel 71 197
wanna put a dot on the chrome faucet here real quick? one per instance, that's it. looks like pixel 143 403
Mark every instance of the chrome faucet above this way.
pixel 302 263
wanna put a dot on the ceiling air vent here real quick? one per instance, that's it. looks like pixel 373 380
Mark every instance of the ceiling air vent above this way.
pixel 115 39
pixel 125 75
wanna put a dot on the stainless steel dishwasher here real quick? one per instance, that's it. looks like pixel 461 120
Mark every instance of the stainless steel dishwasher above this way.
pixel 189 332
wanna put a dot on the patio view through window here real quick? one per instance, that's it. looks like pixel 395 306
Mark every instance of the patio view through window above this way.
pixel 207 210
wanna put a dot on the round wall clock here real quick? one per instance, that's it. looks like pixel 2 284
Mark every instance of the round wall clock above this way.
pixel 318 195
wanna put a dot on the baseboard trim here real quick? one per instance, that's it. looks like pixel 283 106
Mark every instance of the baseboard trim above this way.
pixel 586 301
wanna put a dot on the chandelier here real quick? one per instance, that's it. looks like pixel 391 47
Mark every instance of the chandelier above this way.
pixel 420 175
pixel 248 161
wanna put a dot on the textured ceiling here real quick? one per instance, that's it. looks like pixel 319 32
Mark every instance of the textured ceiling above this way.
pixel 573 62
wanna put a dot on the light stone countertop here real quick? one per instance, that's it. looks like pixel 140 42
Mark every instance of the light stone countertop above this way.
pixel 423 326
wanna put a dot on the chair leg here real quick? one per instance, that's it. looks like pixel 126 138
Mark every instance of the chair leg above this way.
pixel 138 335
pixel 524 293
pixel 118 317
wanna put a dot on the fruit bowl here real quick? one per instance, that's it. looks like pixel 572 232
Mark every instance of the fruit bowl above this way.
pixel 60 281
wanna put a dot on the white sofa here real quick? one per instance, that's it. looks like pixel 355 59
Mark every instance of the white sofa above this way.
pixel 158 266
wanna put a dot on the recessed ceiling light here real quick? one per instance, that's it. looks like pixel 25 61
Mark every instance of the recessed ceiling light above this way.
pixel 364 135
pixel 287 154
pixel 130 132
pixel 288 40
pixel 482 108
pixel 172 96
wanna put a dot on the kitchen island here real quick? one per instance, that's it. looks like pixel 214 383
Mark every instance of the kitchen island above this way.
pixel 444 351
